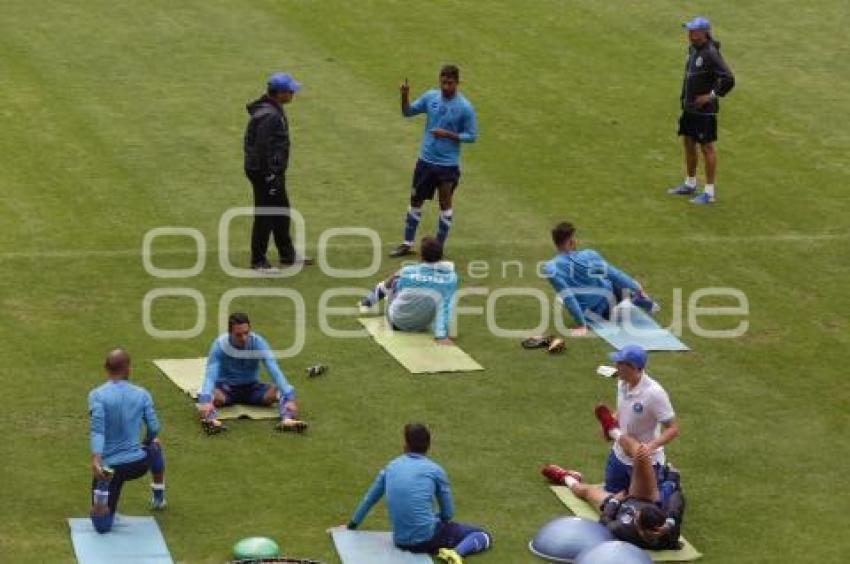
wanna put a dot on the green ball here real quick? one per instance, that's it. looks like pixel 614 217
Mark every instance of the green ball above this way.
pixel 255 548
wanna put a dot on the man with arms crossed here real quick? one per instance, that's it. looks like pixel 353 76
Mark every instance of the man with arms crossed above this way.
pixel 411 482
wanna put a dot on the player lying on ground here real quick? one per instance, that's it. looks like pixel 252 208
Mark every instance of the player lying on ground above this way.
pixel 450 122
pixel 420 296
pixel 117 409
pixel 410 483
pixel 648 514
pixel 233 376
pixel 586 283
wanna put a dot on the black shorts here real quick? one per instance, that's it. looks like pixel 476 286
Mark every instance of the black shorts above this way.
pixel 427 177
pixel 702 128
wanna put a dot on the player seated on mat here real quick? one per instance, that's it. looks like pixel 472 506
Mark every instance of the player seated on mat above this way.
pixel 233 376
pixel 118 409
pixel 587 283
pixel 420 296
pixel 411 482
pixel 648 514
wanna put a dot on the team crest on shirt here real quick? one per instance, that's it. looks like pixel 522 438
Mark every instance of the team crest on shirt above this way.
pixel 698 62
pixel 443 110
pixel 637 407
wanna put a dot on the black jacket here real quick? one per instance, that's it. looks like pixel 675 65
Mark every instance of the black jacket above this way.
pixel 266 137
pixel 619 518
pixel 705 70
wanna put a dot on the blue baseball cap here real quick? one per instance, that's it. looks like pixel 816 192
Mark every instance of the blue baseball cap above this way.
pixel 283 82
pixel 630 354
pixel 699 23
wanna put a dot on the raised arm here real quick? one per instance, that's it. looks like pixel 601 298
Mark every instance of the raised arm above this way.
pixel 417 107
pixel 375 492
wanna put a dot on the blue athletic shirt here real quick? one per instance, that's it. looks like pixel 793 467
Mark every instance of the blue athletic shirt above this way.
pixel 411 482
pixel 225 369
pixel 423 297
pixel 454 114
pixel 117 410
pixel 584 269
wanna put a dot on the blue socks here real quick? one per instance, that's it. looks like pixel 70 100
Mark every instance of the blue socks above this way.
pixel 474 542
pixel 103 523
pixel 375 296
pixel 444 225
pixel 411 222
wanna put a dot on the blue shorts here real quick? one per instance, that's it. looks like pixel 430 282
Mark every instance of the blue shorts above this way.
pixel 618 476
pixel 446 535
pixel 428 177
pixel 252 393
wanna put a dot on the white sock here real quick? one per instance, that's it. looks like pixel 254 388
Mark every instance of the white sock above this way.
pixel 615 434
pixel 158 486
pixel 691 181
pixel 570 481
pixel 709 189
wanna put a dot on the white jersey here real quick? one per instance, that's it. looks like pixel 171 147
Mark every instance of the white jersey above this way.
pixel 640 412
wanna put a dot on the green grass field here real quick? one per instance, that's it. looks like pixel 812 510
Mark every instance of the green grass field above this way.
pixel 120 117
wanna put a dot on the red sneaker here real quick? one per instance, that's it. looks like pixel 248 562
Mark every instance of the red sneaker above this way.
pixel 556 474
pixel 603 414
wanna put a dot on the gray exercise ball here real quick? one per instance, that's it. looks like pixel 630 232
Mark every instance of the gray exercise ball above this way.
pixel 562 539
pixel 613 552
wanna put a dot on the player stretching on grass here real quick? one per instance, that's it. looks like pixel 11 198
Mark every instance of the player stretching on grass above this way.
pixel 410 483
pixel 420 296
pixel 450 122
pixel 586 283
pixel 707 79
pixel 118 409
pixel 233 376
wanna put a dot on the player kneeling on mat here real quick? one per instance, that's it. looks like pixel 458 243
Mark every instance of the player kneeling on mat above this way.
pixel 410 483
pixel 118 409
pixel 233 376
pixel 420 296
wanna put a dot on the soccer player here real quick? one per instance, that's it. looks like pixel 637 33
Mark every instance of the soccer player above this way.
pixel 707 78
pixel 450 122
pixel 420 296
pixel 587 283
pixel 233 376
pixel 266 146
pixel 411 483
pixel 648 514
pixel 117 410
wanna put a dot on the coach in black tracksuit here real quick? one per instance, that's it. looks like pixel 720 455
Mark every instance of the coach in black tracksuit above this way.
pixel 707 79
pixel 266 160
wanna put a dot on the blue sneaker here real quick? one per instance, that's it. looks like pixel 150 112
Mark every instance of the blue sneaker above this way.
pixel 682 190
pixel 645 303
pixel 703 199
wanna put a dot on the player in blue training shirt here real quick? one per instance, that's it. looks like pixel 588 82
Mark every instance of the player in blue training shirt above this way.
pixel 420 296
pixel 587 283
pixel 233 376
pixel 118 409
pixel 411 483
pixel 450 122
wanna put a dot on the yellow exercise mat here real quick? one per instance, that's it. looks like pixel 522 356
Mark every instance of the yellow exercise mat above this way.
pixel 581 508
pixel 188 375
pixel 417 351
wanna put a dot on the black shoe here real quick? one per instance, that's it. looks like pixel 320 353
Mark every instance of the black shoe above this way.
pixel 304 261
pixel 402 250
pixel 265 265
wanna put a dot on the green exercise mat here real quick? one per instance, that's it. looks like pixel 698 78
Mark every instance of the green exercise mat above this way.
pixel 188 374
pixel 417 351
pixel 581 508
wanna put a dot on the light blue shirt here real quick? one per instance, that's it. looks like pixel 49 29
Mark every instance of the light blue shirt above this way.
pixel 575 274
pixel 118 409
pixel 225 369
pixel 411 483
pixel 423 298
pixel 454 114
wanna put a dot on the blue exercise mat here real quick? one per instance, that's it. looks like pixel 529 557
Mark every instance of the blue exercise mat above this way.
pixel 359 547
pixel 630 325
pixel 132 540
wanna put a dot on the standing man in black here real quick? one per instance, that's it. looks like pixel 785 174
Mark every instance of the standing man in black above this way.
pixel 707 79
pixel 266 160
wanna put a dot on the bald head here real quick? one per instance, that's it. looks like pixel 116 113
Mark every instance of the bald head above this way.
pixel 117 363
